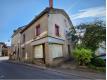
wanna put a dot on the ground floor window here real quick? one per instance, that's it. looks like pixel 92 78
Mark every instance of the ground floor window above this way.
pixel 23 52
pixel 56 50
pixel 38 51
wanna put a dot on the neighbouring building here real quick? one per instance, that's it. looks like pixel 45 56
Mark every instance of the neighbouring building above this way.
pixel 9 50
pixel 16 44
pixel 101 51
pixel 3 49
pixel 44 39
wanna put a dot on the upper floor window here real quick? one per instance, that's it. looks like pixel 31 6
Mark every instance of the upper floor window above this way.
pixel 23 38
pixel 37 30
pixel 56 30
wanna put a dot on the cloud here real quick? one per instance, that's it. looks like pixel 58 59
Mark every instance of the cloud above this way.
pixel 90 12
pixel 73 5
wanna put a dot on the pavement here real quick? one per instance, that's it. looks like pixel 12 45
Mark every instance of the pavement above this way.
pixel 4 58
pixel 16 70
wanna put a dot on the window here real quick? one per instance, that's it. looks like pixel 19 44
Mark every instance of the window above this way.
pixel 23 38
pixel 23 52
pixel 56 30
pixel 38 51
pixel 37 30
pixel 56 50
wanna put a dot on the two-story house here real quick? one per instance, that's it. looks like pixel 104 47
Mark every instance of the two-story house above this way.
pixel 44 38
pixel 15 43
pixel 3 49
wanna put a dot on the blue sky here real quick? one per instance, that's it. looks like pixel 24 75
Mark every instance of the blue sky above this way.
pixel 16 13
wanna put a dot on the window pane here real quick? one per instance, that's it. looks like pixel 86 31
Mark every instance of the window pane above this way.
pixel 56 30
pixel 38 30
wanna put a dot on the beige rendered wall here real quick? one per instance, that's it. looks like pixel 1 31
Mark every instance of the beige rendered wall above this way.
pixel 64 25
pixel 30 34
pixel 61 21
pixel 16 40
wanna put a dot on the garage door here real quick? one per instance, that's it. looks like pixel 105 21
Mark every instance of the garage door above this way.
pixel 56 50
pixel 38 51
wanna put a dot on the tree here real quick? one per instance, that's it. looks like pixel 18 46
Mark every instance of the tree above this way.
pixel 95 34
pixel 72 36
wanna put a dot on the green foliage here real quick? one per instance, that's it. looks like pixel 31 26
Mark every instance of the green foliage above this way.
pixel 98 62
pixel 79 46
pixel 72 35
pixel 95 34
pixel 82 55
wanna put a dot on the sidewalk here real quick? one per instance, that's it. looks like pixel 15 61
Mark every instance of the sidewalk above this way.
pixel 84 73
pixel 88 75
pixel 2 58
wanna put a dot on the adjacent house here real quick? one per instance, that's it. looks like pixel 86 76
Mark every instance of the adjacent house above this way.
pixel 44 39
pixel 15 44
pixel 101 51
pixel 3 49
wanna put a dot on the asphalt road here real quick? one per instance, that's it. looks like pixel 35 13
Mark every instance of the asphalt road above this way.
pixel 17 71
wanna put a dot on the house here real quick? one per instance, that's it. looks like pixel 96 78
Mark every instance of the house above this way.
pixel 15 43
pixel 101 51
pixel 9 51
pixel 44 39
pixel 3 49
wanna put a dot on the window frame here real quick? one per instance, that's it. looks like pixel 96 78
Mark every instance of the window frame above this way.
pixel 24 38
pixel 37 30
pixel 57 30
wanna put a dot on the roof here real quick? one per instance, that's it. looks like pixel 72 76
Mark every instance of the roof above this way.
pixel 17 31
pixel 47 10
pixel 2 43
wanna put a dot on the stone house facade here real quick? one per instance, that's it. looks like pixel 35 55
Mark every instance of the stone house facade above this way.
pixel 3 49
pixel 16 44
pixel 44 39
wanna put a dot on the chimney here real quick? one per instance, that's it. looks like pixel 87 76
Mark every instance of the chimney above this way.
pixel 51 3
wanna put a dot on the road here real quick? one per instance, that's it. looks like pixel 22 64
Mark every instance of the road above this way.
pixel 17 71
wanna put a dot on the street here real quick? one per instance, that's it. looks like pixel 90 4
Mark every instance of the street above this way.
pixel 17 71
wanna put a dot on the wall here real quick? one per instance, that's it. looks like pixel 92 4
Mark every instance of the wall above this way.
pixel 64 25
pixel 61 21
pixel 15 45
pixel 30 34
pixel 16 38
pixel 0 50
pixel 102 49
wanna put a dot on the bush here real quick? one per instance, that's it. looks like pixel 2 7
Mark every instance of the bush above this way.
pixel 98 69
pixel 98 62
pixel 82 55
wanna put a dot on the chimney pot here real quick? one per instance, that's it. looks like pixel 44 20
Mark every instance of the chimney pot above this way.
pixel 51 3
